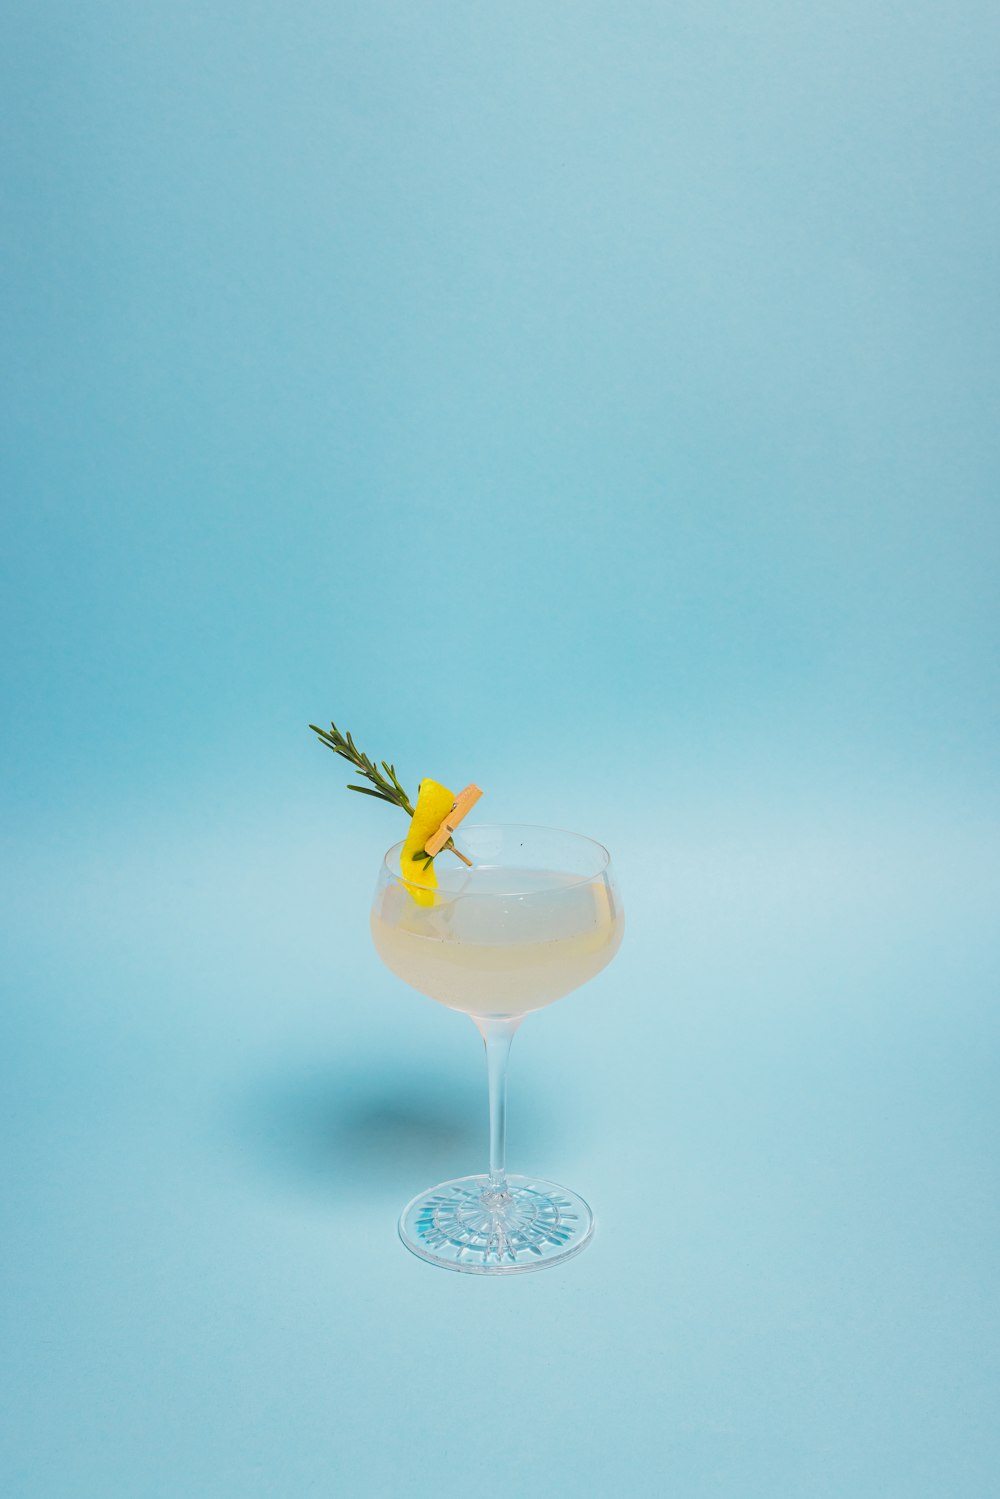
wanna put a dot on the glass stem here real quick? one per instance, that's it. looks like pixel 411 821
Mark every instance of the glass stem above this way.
pixel 497 1035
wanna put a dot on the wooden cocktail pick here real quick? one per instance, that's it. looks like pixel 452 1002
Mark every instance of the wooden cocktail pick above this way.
pixel 464 803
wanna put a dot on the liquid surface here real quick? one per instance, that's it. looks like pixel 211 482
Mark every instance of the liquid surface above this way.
pixel 488 952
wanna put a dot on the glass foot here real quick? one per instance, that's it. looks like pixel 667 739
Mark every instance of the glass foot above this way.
pixel 464 1225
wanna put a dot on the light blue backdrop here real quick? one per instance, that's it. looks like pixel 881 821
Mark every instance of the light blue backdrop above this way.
pixel 598 402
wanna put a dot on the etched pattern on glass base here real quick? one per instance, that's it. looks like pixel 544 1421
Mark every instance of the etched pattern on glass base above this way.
pixel 468 1225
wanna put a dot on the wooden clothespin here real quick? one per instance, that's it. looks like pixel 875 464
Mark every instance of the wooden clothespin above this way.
pixel 464 803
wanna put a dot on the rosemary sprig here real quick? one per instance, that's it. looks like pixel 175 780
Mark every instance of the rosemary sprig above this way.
pixel 385 786
pixel 383 783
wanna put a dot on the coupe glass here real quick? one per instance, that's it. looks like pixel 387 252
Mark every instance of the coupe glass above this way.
pixel 536 916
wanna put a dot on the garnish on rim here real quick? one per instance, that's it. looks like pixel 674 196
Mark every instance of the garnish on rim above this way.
pixel 432 822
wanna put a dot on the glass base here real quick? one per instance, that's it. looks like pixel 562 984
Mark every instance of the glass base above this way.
pixel 464 1225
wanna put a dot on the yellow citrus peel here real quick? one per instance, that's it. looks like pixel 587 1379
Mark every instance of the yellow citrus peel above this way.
pixel 434 802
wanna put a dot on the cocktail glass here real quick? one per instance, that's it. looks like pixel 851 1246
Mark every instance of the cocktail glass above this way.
pixel 536 916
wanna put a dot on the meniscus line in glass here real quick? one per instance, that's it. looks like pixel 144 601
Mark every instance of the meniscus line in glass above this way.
pixel 536 916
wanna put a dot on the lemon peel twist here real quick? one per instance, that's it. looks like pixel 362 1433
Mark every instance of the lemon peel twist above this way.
pixel 434 802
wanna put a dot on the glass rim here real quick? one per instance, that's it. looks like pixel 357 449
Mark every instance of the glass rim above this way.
pixel 528 827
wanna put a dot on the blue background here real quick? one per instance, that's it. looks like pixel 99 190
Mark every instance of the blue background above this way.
pixel 597 402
